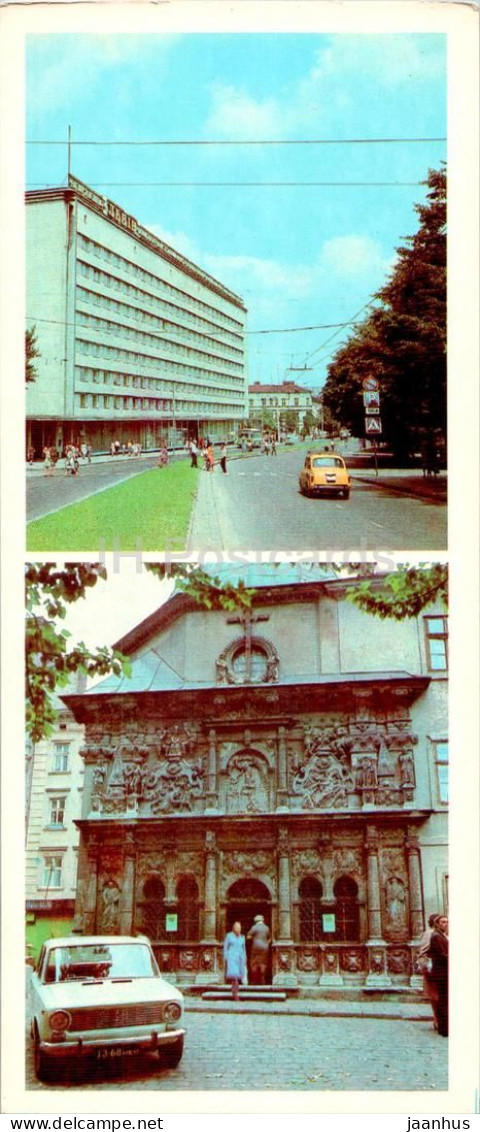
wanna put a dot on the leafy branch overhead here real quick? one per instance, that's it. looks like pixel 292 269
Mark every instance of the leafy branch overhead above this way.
pixel 51 661
pixel 404 593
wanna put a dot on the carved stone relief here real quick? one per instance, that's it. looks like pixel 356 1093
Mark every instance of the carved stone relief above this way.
pixel 398 961
pixel 109 907
pixel 307 960
pixel 352 961
pixel 322 781
pixel 247 784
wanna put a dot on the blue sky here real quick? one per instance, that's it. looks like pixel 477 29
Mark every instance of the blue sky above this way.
pixel 299 256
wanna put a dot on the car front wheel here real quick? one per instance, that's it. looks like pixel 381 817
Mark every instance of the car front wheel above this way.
pixel 42 1063
pixel 171 1055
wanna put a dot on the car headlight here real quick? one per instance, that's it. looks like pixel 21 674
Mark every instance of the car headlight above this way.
pixel 59 1020
pixel 172 1012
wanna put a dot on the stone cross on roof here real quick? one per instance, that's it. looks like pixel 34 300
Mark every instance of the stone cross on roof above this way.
pixel 247 618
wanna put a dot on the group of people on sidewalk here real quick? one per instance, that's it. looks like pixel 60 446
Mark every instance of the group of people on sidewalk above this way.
pixel 235 954
pixel 432 963
pixel 205 448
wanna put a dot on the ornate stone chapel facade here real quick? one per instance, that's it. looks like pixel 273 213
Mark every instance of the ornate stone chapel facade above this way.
pixel 289 761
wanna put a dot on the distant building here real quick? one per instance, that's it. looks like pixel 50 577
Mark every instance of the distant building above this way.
pixel 55 774
pixel 289 760
pixel 278 400
pixel 136 343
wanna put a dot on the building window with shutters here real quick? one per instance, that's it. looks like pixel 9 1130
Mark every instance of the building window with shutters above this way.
pixel 437 643
pixel 56 815
pixel 441 763
pixel 61 754
pixel 52 872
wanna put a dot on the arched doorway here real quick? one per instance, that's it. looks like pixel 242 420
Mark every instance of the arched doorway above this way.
pixel 247 898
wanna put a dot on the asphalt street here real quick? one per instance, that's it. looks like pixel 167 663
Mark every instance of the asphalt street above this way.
pixel 46 494
pixel 258 506
pixel 274 1052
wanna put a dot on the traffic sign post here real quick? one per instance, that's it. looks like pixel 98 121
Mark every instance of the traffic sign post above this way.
pixel 371 404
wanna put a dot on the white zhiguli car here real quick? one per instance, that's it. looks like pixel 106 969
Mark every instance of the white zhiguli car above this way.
pixel 102 996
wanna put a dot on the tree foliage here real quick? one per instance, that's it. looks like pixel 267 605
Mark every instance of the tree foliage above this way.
pixel 404 593
pixel 402 341
pixel 51 660
pixel 31 352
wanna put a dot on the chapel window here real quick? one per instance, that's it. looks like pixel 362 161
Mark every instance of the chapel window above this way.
pixel 347 920
pixel 188 910
pixel 310 915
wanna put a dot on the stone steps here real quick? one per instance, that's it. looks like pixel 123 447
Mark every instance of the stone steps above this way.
pixel 247 994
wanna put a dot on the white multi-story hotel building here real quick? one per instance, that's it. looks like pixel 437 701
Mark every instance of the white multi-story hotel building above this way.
pixel 135 342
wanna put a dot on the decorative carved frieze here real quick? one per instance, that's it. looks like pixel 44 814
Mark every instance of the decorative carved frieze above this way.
pixel 398 961
pixel 306 862
pixel 244 864
pixel 307 959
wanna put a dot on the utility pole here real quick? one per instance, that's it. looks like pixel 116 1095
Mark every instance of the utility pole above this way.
pixel 69 154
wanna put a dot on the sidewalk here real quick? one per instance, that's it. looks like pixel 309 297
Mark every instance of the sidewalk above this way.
pixel 404 481
pixel 414 1011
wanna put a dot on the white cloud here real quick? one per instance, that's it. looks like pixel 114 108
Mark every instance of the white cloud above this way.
pixel 236 114
pixel 386 60
pixel 348 256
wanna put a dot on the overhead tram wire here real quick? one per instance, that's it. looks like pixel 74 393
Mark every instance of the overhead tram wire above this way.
pixel 242 184
pixel 247 141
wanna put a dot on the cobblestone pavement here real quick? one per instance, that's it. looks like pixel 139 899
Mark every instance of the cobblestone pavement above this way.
pixel 273 1052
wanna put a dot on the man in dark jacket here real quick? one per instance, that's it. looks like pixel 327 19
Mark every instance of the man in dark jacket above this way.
pixel 438 952
pixel 259 934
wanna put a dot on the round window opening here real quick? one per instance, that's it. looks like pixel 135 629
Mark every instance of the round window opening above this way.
pixel 250 665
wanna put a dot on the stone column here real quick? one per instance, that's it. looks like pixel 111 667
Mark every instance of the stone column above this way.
pixel 210 906
pixel 282 789
pixel 209 940
pixel 90 913
pixel 211 801
pixel 376 947
pixel 415 883
pixel 126 898
pixel 284 977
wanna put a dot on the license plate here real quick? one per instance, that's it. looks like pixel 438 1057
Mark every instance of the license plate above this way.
pixel 116 1051
pixel 331 479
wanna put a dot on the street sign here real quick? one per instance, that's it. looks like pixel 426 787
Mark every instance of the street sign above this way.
pixel 373 426
pixel 371 402
pixel 370 384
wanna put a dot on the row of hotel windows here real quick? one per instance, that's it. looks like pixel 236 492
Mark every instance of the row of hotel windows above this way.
pixel 146 277
pixel 141 314
pixel 131 358
pixel 157 404
pixel 199 343
pixel 163 345
pixel 89 376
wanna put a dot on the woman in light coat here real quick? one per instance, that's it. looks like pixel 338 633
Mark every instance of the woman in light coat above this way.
pixel 235 957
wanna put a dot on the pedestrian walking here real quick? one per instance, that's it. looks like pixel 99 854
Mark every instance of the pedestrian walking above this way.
pixel 193 454
pixel 424 967
pixel 274 445
pixel 235 958
pixel 438 952
pixel 259 934
pixel 30 455
pixel 223 459
pixel 209 458
pixel 48 464
pixel 163 457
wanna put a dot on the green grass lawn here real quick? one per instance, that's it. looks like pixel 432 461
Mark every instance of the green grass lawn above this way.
pixel 150 511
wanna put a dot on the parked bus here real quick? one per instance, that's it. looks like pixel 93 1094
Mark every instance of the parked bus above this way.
pixel 249 438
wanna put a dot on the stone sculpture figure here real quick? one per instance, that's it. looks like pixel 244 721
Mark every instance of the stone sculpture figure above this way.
pixel 110 906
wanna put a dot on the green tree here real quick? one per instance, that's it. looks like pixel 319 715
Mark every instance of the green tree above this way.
pixel 402 341
pixel 309 422
pixel 51 659
pixel 31 352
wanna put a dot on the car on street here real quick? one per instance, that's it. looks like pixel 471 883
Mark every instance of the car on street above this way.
pixel 324 472
pixel 102 997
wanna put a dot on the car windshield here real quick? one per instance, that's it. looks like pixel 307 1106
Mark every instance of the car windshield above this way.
pixel 327 462
pixel 99 961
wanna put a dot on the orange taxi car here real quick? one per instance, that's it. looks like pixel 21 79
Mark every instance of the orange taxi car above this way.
pixel 324 472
